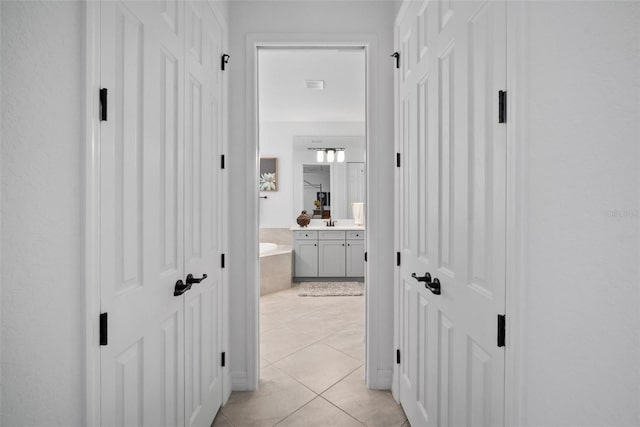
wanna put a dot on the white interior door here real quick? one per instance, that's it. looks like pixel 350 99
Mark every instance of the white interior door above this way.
pixel 161 216
pixel 142 367
pixel 203 214
pixel 451 217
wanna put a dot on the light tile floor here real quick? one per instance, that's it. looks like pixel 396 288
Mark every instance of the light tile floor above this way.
pixel 311 368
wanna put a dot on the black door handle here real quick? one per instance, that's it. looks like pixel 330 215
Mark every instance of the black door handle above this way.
pixel 426 278
pixel 181 288
pixel 433 286
pixel 191 280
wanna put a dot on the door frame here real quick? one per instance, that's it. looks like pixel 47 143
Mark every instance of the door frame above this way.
pixel 376 376
pixel 516 24
pixel 91 212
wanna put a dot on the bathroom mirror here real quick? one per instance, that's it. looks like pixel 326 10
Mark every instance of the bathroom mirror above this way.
pixel 346 180
pixel 317 190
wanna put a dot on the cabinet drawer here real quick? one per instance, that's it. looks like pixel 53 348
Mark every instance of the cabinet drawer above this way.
pixel 331 235
pixel 355 235
pixel 306 235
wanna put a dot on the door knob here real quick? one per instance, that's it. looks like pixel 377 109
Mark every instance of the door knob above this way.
pixel 191 280
pixel 181 288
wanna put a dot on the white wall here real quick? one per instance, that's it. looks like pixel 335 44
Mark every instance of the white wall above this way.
pixel 579 186
pixel 276 140
pixel 42 327
pixel 42 138
pixel 308 17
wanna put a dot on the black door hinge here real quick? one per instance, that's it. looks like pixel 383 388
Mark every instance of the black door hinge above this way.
pixel 365 257
pixel 224 60
pixel 398 258
pixel 103 105
pixel 222 261
pixel 103 328
pixel 223 360
pixel 502 106
pixel 397 56
pixel 222 161
pixel 397 356
pixel 397 160
pixel 501 329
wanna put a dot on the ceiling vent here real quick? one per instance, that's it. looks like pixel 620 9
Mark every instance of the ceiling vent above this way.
pixel 314 84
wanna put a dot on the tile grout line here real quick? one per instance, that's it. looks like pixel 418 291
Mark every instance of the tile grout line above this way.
pixel 297 410
pixel 340 409
pixel 296 380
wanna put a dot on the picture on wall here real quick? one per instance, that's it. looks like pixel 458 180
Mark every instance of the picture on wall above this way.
pixel 268 174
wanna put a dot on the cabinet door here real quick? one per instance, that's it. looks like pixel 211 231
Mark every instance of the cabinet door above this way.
pixel 306 258
pixel 355 258
pixel 331 258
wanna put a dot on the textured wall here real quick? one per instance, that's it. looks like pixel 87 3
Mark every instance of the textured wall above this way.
pixel 580 302
pixel 42 138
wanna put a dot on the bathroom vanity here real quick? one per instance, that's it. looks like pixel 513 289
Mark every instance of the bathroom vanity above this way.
pixel 321 251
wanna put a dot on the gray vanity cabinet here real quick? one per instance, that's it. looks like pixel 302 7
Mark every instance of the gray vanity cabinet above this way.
pixel 306 254
pixel 355 254
pixel 329 253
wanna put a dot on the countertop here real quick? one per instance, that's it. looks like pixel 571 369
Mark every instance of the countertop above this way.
pixel 337 227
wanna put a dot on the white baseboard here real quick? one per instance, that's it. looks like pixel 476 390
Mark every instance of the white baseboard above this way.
pixel 240 381
pixel 226 388
pixel 382 380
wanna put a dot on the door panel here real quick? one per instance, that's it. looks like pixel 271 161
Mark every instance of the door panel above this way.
pixel 451 214
pixel 203 214
pixel 331 258
pixel 141 367
pixel 355 258
pixel 161 218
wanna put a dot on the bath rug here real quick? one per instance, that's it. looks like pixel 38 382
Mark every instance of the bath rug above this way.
pixel 330 289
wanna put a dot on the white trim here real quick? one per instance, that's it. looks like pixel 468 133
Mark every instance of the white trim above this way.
pixel 403 11
pixel 516 33
pixel 0 198
pixel 240 381
pixel 395 389
pixel 227 382
pixel 92 214
pixel 375 378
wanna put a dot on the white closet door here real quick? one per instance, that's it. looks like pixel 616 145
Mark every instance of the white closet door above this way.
pixel 452 211
pixel 141 238
pixel 203 214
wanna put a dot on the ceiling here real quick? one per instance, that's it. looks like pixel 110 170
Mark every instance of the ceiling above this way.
pixel 283 96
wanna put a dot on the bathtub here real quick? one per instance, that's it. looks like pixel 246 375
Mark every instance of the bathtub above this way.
pixel 266 248
pixel 275 267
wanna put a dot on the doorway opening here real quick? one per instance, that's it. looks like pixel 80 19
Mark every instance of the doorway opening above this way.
pixel 312 134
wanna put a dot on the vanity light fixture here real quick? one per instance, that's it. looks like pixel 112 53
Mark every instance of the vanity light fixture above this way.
pixel 331 155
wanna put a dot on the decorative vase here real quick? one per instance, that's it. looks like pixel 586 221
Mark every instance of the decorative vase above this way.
pixel 303 219
pixel 358 213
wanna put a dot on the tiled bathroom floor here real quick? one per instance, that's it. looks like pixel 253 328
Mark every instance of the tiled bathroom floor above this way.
pixel 311 368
